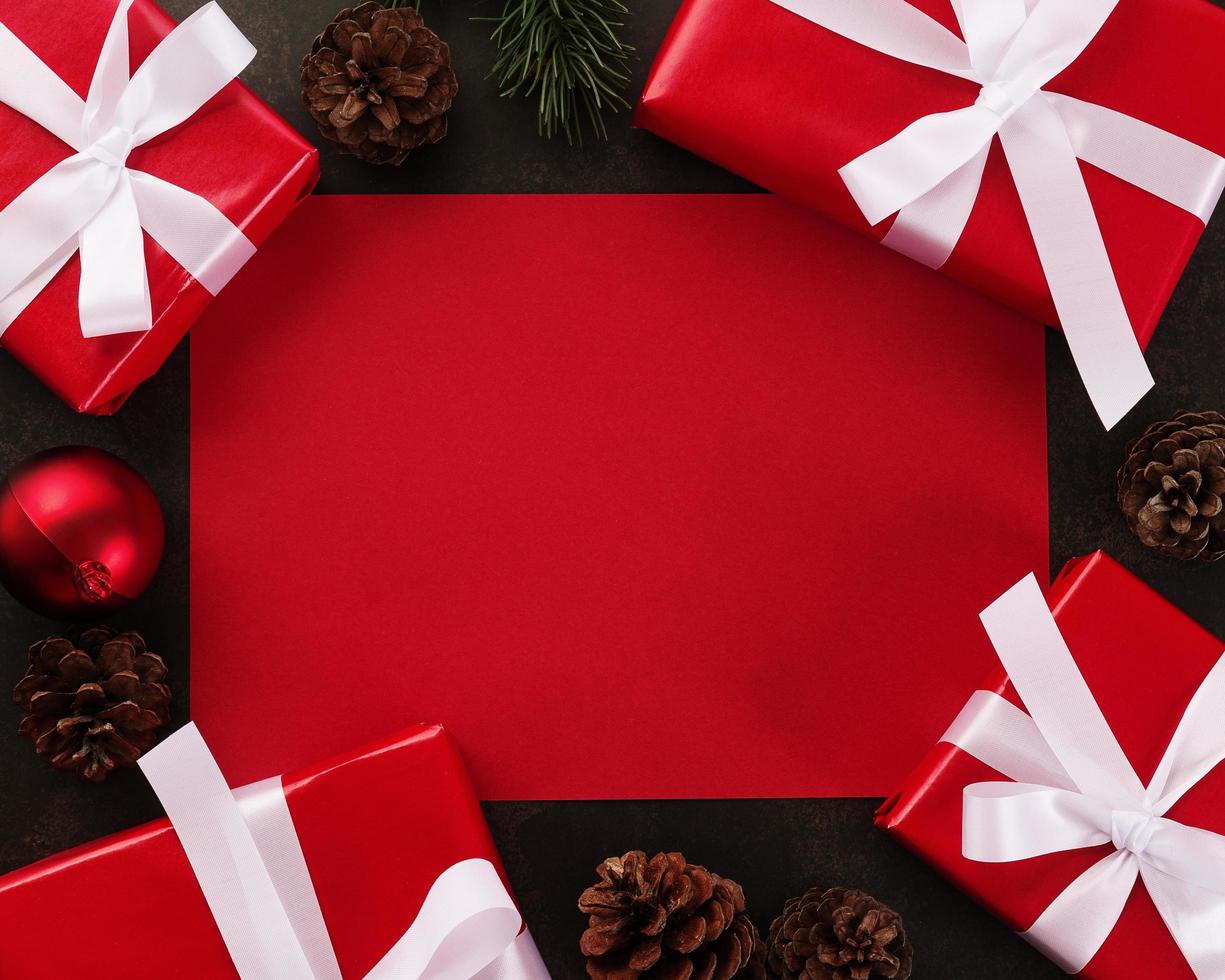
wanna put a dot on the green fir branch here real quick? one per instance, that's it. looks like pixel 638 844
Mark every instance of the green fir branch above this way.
pixel 569 55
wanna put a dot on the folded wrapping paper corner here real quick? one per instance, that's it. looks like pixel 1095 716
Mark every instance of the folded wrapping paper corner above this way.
pixel 129 225
pixel 1056 847
pixel 374 864
pixel 920 145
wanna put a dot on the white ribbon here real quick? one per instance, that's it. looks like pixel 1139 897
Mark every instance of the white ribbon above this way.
pixel 929 173
pixel 246 856
pixel 92 201
pixel 1075 788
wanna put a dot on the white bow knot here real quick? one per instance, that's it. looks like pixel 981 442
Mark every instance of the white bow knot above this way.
pixel 1075 788
pixel 1132 830
pixel 929 174
pixel 92 201
pixel 113 147
pixel 1004 98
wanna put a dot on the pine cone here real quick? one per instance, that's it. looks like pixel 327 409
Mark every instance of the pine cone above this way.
pixel 664 919
pixel 839 934
pixel 378 82
pixel 94 705
pixel 1171 485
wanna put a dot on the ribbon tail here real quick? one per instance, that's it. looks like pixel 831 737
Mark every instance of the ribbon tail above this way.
pixel 189 67
pixel 1041 667
pixel 1195 918
pixel 1074 259
pixel 1174 169
pixel 1076 925
pixel 191 229
pixel 988 29
pixel 928 230
pixel 901 170
pixel 114 295
pixel 224 858
pixel 1052 37
pixel 999 734
pixel 110 77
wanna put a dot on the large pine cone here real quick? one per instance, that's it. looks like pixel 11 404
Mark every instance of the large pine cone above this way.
pixel 378 83
pixel 1171 485
pixel 665 919
pixel 93 705
pixel 839 934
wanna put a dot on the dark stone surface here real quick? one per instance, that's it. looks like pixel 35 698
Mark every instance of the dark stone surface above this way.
pixel 773 847
pixel 41 810
pixel 491 146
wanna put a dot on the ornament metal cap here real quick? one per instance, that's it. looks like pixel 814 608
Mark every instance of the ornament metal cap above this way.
pixel 92 580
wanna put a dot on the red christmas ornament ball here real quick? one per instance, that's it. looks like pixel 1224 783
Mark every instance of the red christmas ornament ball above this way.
pixel 81 533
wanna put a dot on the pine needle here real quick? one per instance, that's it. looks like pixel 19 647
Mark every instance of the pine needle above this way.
pixel 567 54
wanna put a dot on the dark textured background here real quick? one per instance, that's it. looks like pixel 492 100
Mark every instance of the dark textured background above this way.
pixel 775 848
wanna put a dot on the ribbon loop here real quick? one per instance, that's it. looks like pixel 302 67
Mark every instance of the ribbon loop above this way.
pixel 1099 801
pixel 91 201
pixel 922 156
pixel 930 173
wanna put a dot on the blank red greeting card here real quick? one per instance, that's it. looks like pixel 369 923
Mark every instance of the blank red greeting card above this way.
pixel 660 496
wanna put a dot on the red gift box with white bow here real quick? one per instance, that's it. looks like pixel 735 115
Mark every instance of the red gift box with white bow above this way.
pixel 376 863
pixel 1079 794
pixel 1061 158
pixel 136 177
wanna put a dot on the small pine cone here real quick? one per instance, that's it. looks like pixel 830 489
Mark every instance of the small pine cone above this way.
pixel 839 934
pixel 665 919
pixel 1172 483
pixel 378 82
pixel 93 705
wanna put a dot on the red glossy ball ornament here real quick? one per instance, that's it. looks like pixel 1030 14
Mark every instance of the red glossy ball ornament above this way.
pixel 81 533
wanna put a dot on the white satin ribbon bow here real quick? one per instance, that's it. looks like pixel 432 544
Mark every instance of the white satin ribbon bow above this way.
pixel 246 856
pixel 1074 788
pixel 929 173
pixel 94 202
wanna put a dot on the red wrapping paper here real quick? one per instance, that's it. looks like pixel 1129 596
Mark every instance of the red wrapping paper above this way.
pixel 377 827
pixel 255 188
pixel 785 103
pixel 1143 659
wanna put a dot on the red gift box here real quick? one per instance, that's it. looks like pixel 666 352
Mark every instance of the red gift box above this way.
pixel 255 187
pixel 1117 629
pixel 377 828
pixel 786 103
